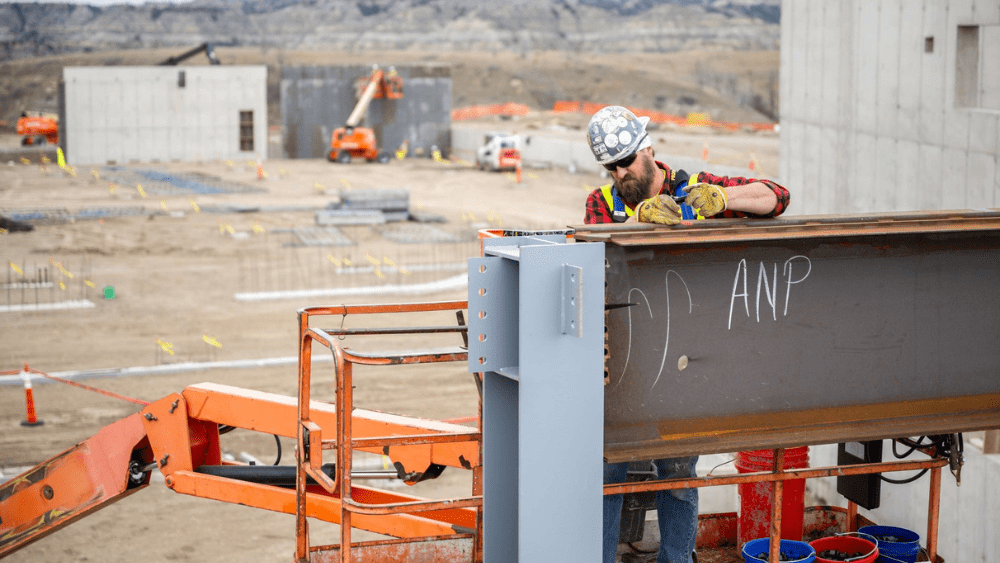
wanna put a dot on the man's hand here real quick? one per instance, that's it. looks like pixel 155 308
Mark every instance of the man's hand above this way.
pixel 659 209
pixel 707 199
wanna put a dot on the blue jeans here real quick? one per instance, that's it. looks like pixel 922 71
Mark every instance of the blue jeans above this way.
pixel 676 510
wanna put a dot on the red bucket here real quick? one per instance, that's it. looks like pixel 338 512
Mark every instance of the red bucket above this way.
pixel 755 498
pixel 863 549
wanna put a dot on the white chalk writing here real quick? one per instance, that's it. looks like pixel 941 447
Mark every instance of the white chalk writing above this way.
pixel 666 343
pixel 769 287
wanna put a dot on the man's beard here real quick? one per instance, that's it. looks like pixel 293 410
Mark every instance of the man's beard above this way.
pixel 633 189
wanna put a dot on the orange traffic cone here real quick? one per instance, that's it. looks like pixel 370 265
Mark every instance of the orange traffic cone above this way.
pixel 260 172
pixel 704 151
pixel 29 399
pixel 753 162
pixel 517 173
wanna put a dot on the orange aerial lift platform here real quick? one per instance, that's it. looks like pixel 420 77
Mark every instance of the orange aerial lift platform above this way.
pixel 352 141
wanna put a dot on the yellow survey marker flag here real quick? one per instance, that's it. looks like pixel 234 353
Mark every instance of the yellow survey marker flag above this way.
pixel 210 340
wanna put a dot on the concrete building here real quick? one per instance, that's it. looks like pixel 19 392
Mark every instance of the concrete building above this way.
pixel 894 105
pixel 890 105
pixel 163 113
pixel 315 100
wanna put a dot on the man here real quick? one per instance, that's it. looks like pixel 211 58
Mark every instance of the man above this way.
pixel 648 191
pixel 644 189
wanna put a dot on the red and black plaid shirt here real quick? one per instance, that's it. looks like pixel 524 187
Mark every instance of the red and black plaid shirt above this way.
pixel 598 210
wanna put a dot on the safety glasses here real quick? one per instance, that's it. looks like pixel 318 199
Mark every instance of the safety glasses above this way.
pixel 621 163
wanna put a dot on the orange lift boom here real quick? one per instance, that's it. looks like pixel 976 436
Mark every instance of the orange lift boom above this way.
pixel 179 434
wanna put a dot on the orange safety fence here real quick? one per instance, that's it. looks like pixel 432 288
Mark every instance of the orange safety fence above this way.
pixel 692 119
pixel 476 112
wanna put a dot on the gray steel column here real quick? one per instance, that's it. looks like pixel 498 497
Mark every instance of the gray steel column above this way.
pixel 536 330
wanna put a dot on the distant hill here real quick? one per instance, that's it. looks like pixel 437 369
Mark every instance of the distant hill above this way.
pixel 524 26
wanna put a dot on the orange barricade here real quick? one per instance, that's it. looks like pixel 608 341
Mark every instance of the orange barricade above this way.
pixel 476 112
pixel 699 120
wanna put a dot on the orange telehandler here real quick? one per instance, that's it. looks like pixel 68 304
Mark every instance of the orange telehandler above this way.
pixel 37 128
pixel 351 141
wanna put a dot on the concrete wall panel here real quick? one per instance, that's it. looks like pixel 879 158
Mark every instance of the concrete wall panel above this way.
pixel 933 73
pixel 986 12
pixel 956 128
pixel 804 193
pixel 866 159
pixel 893 71
pixel 800 58
pixel 866 91
pixel 887 53
pixel 785 60
pixel 317 100
pixel 953 185
pixel 996 182
pixel 825 141
pixel 911 54
pixel 980 177
pixel 814 59
pixel 884 181
pixel 143 114
pixel 990 67
pixel 983 133
pixel 907 182
pixel 931 177
pixel 830 79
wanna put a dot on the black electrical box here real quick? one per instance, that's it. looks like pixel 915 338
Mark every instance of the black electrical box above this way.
pixel 635 505
pixel 863 490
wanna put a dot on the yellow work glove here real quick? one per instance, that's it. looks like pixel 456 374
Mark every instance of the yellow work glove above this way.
pixel 707 199
pixel 660 209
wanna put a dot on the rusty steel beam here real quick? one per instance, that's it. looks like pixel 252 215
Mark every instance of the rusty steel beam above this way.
pixel 741 335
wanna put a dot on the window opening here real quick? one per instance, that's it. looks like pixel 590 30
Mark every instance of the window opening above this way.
pixel 977 67
pixel 246 130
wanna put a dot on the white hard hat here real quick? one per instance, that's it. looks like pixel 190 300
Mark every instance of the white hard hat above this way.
pixel 615 132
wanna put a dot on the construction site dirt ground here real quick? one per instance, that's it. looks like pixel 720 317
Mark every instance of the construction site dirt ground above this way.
pixel 175 269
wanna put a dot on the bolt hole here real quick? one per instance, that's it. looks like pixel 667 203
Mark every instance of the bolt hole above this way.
pixel 482 268
pixel 482 291
pixel 482 338
pixel 482 360
pixel 482 314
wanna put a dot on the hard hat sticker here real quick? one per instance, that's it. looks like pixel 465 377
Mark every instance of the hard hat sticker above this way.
pixel 611 140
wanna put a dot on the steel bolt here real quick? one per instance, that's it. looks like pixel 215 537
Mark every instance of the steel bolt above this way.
pixel 150 417
pixel 47 492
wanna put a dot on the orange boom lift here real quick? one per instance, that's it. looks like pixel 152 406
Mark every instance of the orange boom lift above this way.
pixel 351 141
pixel 179 435
pixel 37 128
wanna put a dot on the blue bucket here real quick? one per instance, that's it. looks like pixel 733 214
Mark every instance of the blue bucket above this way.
pixel 905 550
pixel 799 551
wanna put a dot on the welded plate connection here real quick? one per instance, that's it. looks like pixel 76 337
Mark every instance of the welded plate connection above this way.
pixel 757 334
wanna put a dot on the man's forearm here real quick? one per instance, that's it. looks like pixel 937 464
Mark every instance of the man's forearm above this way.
pixel 755 198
